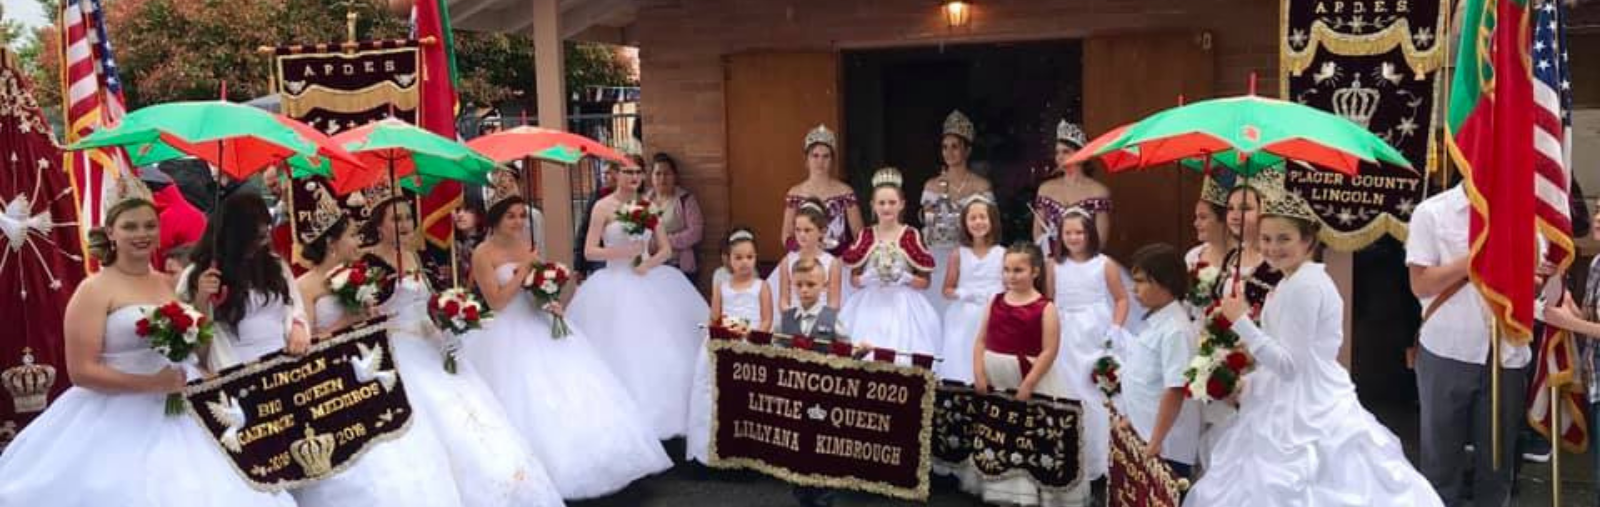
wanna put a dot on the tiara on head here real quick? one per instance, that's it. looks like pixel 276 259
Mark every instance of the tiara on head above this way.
pixel 1214 192
pixel 821 135
pixel 1069 133
pixel 495 196
pixel 741 235
pixel 1289 205
pixel 1077 210
pixel 315 210
pixel 887 176
pixel 813 205
pixel 957 124
pixel 129 186
pixel 982 197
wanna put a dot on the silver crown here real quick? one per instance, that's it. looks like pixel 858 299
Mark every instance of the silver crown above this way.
pixel 958 125
pixel 1357 104
pixel 741 235
pixel 316 212
pixel 982 197
pixel 1069 133
pixel 314 453
pixel 128 186
pixel 1213 192
pixel 887 176
pixel 495 196
pixel 1290 205
pixel 368 199
pixel 29 383
pixel 821 135
pixel 1267 184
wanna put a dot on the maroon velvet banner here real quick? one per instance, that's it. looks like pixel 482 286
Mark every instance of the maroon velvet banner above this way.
pixel 820 420
pixel 1137 480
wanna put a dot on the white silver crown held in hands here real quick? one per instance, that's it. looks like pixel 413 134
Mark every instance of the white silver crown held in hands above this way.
pixel 958 125
pixel 821 135
pixel 1069 133
pixel 887 176
pixel 1289 205
pixel 313 219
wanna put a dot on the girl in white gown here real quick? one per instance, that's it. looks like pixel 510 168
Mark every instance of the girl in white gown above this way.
pixel 972 280
pixel 890 268
pixel 491 463
pixel 809 218
pixel 644 320
pixel 107 440
pixel 1093 305
pixel 410 469
pixel 1301 437
pixel 742 298
pixel 580 421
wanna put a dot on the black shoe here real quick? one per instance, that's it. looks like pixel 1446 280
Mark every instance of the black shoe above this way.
pixel 1536 451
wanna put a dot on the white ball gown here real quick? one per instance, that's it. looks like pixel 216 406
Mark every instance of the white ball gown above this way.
pixel 411 469
pixel 92 448
pixel 491 463
pixel 979 282
pixel 890 314
pixel 1083 302
pixel 579 419
pixel 646 328
pixel 1301 437
pixel 738 304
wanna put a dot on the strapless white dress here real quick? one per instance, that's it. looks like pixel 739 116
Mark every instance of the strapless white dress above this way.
pixel 490 461
pixel 577 416
pixel 92 448
pixel 412 469
pixel 646 328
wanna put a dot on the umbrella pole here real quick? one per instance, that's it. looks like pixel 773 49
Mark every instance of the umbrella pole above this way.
pixel 399 250
pixel 526 182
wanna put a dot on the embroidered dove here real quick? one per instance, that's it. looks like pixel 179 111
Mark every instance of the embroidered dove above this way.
pixel 367 366
pixel 227 411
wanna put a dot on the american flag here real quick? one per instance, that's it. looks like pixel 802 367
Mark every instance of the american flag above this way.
pixel 1552 139
pixel 94 101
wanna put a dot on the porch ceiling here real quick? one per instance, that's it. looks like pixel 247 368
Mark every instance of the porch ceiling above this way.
pixel 605 20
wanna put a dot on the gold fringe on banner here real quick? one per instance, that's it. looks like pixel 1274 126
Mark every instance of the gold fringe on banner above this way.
pixel 350 101
pixel 925 454
pixel 1396 35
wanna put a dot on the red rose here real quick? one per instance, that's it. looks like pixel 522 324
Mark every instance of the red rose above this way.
pixel 452 308
pixel 1216 389
pixel 471 313
pixel 358 277
pixel 171 311
pixel 1237 361
pixel 182 322
pixel 142 327
pixel 1111 376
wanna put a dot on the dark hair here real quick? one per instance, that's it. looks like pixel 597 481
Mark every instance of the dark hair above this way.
pixel 370 228
pixel 662 157
pixel 732 241
pixel 636 159
pixel 100 245
pixel 1091 235
pixel 1035 260
pixel 1162 265
pixel 1088 165
pixel 817 214
pixel 180 253
pixel 1218 210
pixel 498 212
pixel 994 222
pixel 232 242
pixel 317 250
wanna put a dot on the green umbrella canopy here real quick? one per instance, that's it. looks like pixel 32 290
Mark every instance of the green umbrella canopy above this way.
pixel 237 139
pixel 396 149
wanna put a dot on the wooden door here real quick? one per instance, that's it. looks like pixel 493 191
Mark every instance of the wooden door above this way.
pixel 1125 78
pixel 773 100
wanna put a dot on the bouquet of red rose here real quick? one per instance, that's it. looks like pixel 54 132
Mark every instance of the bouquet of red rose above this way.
pixel 175 331
pixel 1202 292
pixel 638 218
pixel 1105 375
pixel 1220 364
pixel 456 311
pixel 544 282
pixel 356 285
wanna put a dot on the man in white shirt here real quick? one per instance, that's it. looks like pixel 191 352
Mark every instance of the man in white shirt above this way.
pixel 1152 374
pixel 1453 381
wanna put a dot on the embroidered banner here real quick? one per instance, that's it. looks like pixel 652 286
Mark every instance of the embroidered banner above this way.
pixel 334 90
pixel 286 421
pixel 820 420
pixel 1138 481
pixel 1374 62
pixel 1003 438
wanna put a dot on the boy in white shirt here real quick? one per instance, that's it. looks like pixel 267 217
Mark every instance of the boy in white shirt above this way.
pixel 1153 362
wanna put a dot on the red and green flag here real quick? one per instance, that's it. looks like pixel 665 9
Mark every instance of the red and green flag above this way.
pixel 431 18
pixel 1490 135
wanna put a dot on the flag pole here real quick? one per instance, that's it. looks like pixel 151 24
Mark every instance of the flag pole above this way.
pixel 1494 392
pixel 1555 442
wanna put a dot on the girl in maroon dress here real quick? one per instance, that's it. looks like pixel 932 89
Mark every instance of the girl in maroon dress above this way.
pixel 1015 349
